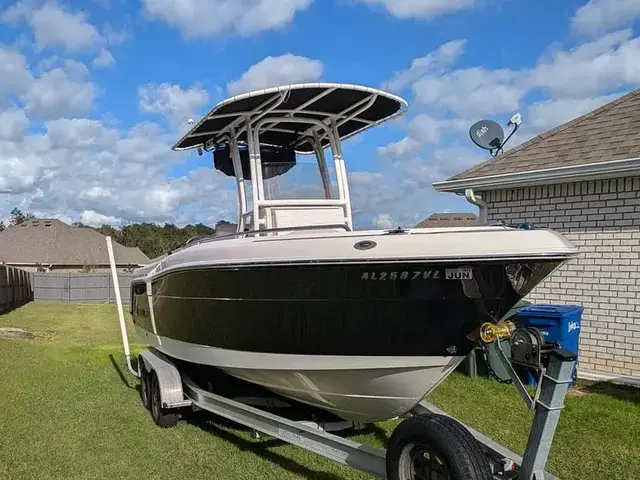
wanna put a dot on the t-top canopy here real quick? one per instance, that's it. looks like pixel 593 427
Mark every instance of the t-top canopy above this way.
pixel 280 160
pixel 353 108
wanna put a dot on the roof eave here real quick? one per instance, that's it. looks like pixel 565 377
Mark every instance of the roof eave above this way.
pixel 572 173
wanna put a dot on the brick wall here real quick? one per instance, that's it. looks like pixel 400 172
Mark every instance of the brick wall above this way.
pixel 602 218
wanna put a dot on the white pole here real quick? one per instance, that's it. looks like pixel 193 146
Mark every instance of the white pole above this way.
pixel 123 327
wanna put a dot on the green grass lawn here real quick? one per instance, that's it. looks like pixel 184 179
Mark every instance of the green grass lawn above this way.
pixel 67 412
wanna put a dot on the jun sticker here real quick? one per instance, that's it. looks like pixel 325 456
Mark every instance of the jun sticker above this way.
pixel 402 275
pixel 458 274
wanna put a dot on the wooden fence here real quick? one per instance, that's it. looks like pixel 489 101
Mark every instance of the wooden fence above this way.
pixel 15 288
pixel 80 287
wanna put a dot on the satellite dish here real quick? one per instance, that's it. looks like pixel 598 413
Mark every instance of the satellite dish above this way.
pixel 487 134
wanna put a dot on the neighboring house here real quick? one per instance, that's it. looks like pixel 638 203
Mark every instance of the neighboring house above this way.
pixel 52 245
pixel 583 180
pixel 441 220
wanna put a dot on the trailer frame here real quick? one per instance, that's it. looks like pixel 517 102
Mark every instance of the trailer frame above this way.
pixel 178 391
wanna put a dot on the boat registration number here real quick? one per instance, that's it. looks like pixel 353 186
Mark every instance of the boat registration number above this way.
pixel 403 275
pixel 449 274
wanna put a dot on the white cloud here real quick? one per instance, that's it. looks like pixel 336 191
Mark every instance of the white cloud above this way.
pixel 18 174
pixel 387 221
pixel 15 75
pixel 164 198
pixel 599 16
pixel 606 63
pixel 87 169
pixel 438 60
pixel 53 26
pixel 79 133
pixel 26 163
pixel 422 130
pixel 426 128
pixel 59 28
pixel 273 71
pixel 145 144
pixel 94 174
pixel 372 192
pixel 48 63
pixel 383 221
pixel 548 114
pixel 13 124
pixel 114 37
pixel 104 59
pixel 400 149
pixel 439 164
pixel 76 71
pixel 60 92
pixel 63 90
pixel 172 101
pixel 95 219
pixel 424 9
pixel 447 100
pixel 585 71
pixel 385 199
pixel 202 18
pixel 96 192
pixel 16 12
pixel 471 91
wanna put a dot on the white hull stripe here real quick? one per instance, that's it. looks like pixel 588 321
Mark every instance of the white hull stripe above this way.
pixel 220 357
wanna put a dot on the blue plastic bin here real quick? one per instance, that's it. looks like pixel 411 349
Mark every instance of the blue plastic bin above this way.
pixel 557 324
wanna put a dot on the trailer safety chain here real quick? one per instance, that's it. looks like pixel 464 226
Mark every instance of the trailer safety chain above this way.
pixel 495 376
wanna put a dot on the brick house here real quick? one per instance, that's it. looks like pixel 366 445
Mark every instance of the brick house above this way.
pixel 583 180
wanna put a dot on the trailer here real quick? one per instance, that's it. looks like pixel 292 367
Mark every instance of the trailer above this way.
pixel 427 443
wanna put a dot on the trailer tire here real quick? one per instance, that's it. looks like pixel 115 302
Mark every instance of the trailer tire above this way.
pixel 145 385
pixel 428 443
pixel 161 416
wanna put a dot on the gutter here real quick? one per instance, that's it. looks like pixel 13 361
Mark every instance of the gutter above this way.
pixel 476 200
pixel 571 173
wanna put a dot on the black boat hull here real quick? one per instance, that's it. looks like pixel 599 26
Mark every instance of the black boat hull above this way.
pixel 343 309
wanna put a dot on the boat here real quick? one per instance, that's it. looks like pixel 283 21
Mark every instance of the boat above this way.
pixel 359 323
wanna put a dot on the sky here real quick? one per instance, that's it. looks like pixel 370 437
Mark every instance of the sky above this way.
pixel 93 93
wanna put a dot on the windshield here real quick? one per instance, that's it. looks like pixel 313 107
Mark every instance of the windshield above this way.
pixel 303 181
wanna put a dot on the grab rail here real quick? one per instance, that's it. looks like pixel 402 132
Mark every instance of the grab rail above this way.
pixel 211 238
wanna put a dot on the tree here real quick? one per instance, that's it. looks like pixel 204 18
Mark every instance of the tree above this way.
pixel 109 231
pixel 153 239
pixel 17 217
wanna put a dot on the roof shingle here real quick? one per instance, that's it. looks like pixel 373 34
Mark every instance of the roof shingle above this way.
pixel 449 220
pixel 52 242
pixel 610 132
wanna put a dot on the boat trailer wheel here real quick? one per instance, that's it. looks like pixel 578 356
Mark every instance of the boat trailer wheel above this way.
pixel 161 416
pixel 145 387
pixel 418 462
pixel 435 447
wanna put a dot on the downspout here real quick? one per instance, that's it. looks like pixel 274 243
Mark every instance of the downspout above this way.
pixel 476 200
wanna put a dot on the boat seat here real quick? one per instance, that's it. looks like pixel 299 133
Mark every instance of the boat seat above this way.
pixel 282 217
